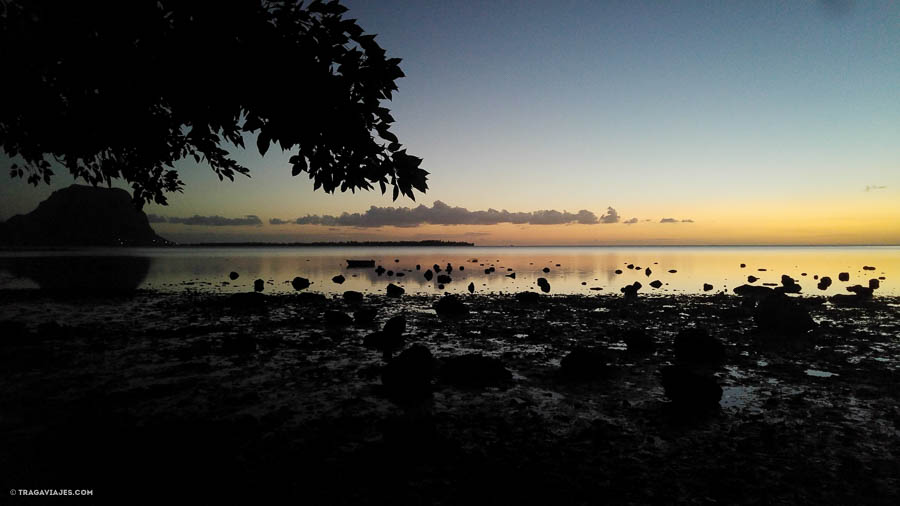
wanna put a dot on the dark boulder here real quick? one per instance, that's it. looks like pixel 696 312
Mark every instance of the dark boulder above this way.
pixel 247 300
pixel 300 283
pixel 844 276
pixel 863 292
pixel 696 346
pixel 618 271
pixel 474 370
pixel 743 265
pixel 781 315
pixel 638 341
pixel 868 268
pixel 233 275
pixel 259 285
pixel 656 283
pixel 449 268
pixel 824 283
pixel 394 290
pixel 672 271
pixel 511 275
pixel 707 287
pixel 451 306
pixel 691 389
pixel 752 279
pixel 630 266
pixel 528 297
pixel 443 279
pixel 353 297
pixel 471 287
pixel 390 273
pixel 418 267
pixel 585 364
pixel 386 343
pixel 436 267
pixel 874 284
pixel 407 378
pixel 647 272
pixel 339 279
pixel 631 290
pixel 544 285
pixel 546 269
pixel 753 292
pixel 428 275
pixel 395 325
pixel 380 270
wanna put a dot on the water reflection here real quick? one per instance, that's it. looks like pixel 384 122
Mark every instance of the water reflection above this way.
pixel 583 270
pixel 76 275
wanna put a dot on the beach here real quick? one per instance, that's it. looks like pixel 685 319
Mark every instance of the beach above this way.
pixel 214 395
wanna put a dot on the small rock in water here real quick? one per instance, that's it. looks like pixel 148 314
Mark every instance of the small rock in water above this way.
pixel 874 284
pixel 648 272
pixel 656 283
pixel 339 279
pixel 544 284
pixel 471 287
pixel 824 283
pixel 418 267
pixel 743 265
pixel 752 279
pixel 233 275
pixel 868 268
pixel 691 389
pixel 789 285
pixel 394 290
pixel 753 292
pixel 364 316
pixel 583 283
pixel 707 287
pixel 258 285
pixel 300 283
pixel 436 267
pixel 782 315
pixel 630 266
pixel 428 275
pixel 863 292
pixel 443 278
pixel 672 271
pixel 353 297
pixel 511 275
pixel 631 290
pixel 546 269
pixel 450 305
pixel 528 297
pixel 474 370
pixel 462 267
pixel 584 364
pixel 844 276
pixel 337 318
pixel 449 268
pixel 618 271
pixel 396 260
pixel 379 270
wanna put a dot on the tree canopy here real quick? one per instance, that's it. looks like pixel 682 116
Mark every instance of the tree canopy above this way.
pixel 123 90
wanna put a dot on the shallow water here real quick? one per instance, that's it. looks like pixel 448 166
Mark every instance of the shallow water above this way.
pixel 573 270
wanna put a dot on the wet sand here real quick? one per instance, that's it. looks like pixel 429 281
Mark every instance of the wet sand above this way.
pixel 190 394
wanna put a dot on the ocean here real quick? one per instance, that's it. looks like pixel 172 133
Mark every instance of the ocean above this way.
pixel 571 270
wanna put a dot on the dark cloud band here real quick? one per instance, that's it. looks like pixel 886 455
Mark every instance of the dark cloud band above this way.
pixel 207 221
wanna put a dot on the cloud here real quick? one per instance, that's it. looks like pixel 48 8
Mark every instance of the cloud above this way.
pixel 631 221
pixel 611 216
pixel 874 187
pixel 278 221
pixel 442 214
pixel 673 220
pixel 207 221
pixel 687 220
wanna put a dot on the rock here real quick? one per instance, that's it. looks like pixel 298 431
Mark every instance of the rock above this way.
pixel 365 316
pixel 471 287
pixel 637 341
pixel 259 285
pixel 707 287
pixel 631 290
pixel 656 283
pixel 395 325
pixel 449 268
pixel 789 285
pixel 387 343
pixel 874 284
pixel 390 273
pixel 408 377
pixel 511 275
pixel 336 318
pixel 443 279
pixel 396 260
pixel 868 268
pixel 488 271
pixel 418 267
pixel 688 388
pixel 782 315
pixel 630 266
pixel 752 279
pixel 584 283
pixel 339 279
pixel 394 290
pixel 379 270
pixel 436 267
pixel 756 292
pixel 247 300
pixel 546 269
pixel 528 297
pixel 428 275
pixel 824 283
pixel 492 269
pixel 584 364
pixel 400 274
pixel 440 286
pixel 672 271
pixel 310 298
pixel 474 370
pixel 618 271
pixel 462 267
pixel 544 284
pixel 451 306
pixel 844 276
pixel 300 283
pixel 696 346
pixel 233 275
pixel 743 265
pixel 863 292
pixel 648 272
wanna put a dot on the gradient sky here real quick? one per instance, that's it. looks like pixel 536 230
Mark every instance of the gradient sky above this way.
pixel 764 122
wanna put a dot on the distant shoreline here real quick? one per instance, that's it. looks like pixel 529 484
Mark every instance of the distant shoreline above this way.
pixel 342 244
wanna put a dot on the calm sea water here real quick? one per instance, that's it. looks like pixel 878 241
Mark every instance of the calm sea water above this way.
pixel 575 270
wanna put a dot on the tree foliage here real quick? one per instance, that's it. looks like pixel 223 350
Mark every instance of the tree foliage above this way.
pixel 113 89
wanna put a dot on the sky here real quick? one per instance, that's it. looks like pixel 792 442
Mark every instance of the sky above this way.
pixel 719 122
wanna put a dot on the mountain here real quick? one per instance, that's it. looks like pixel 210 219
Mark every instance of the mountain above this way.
pixel 82 216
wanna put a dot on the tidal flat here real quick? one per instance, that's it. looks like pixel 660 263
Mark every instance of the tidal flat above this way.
pixel 211 395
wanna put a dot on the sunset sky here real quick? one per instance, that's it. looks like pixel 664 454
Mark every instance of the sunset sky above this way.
pixel 763 122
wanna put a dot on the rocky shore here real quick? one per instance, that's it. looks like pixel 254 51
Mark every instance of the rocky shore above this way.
pixel 462 400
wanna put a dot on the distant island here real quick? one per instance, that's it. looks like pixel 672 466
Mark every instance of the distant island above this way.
pixel 430 243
